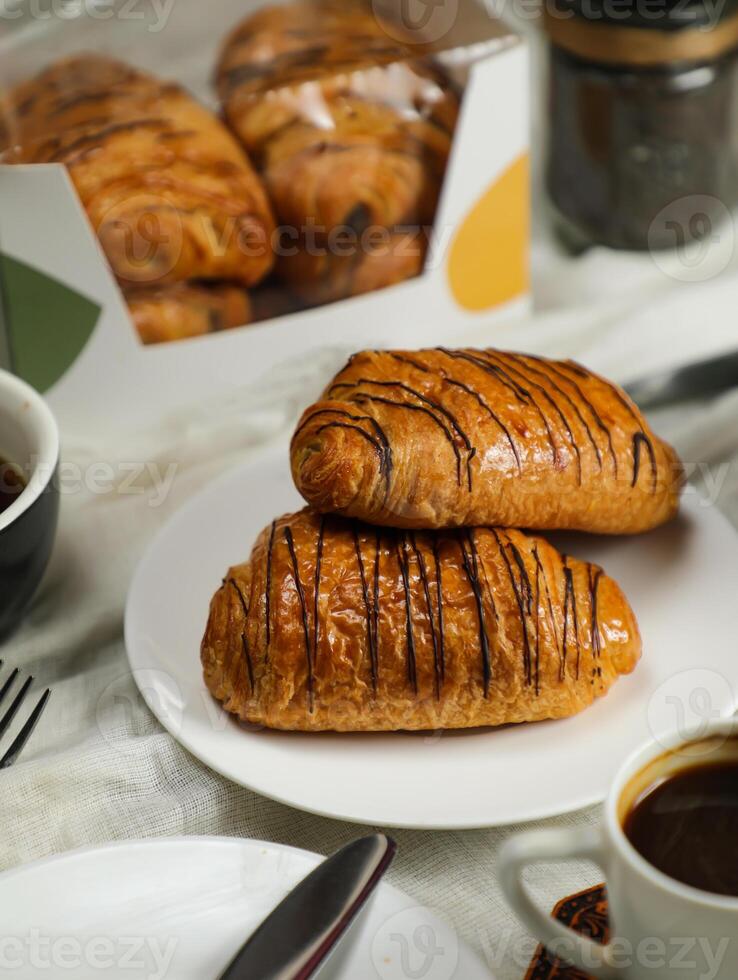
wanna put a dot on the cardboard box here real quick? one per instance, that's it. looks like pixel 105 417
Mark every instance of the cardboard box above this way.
pixel 66 327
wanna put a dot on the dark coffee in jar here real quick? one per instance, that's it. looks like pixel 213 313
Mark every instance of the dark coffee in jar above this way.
pixel 643 149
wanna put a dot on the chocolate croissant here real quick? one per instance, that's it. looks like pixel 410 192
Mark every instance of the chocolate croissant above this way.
pixel 346 131
pixel 335 625
pixel 167 188
pixel 185 310
pixel 321 277
pixel 287 44
pixel 448 438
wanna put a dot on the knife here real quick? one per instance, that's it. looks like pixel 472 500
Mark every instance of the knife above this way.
pixel 708 377
pixel 300 933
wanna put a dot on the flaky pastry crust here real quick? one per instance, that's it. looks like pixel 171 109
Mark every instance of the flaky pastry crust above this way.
pixel 448 438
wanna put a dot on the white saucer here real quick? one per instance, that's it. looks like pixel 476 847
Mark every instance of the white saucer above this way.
pixel 179 908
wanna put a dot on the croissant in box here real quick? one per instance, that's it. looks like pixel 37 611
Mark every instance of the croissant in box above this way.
pixel 334 625
pixel 322 277
pixel 346 129
pixel 445 438
pixel 167 188
pixel 187 309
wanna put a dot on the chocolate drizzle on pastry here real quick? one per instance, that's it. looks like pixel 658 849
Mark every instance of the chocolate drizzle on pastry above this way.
pixel 268 592
pixel 303 610
pixel 316 597
pixel 437 671
pixel 495 418
pixel 471 567
pixel 537 603
pixel 506 358
pixel 433 406
pixel 552 369
pixel 641 439
pixel 97 139
pixel 381 444
pixel 370 634
pixel 404 359
pixel 244 642
pixel 375 600
pixel 439 601
pixel 451 610
pixel 402 557
pixel 520 602
pixel 469 390
pixel 574 407
pixel 570 602
pixel 363 398
pixel 540 571
pixel 501 375
pixel 595 574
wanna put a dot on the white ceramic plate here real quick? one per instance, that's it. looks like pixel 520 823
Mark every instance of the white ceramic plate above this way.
pixel 681 579
pixel 178 909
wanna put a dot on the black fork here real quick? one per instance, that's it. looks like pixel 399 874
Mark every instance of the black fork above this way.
pixel 19 742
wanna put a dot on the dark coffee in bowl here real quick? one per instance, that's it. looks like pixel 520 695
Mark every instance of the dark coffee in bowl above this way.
pixel 686 825
pixel 12 484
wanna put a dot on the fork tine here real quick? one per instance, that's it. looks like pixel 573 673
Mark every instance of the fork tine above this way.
pixel 7 685
pixel 10 713
pixel 25 733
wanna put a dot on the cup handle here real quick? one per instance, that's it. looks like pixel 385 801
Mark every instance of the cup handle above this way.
pixel 552 845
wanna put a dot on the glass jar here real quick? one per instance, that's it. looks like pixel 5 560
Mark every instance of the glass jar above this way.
pixel 643 143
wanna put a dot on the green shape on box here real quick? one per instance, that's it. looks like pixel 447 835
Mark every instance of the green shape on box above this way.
pixel 44 324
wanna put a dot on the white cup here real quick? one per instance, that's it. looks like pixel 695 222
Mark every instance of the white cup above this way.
pixel 661 928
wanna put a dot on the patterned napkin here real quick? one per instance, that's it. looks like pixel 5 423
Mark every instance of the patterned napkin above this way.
pixel 586 913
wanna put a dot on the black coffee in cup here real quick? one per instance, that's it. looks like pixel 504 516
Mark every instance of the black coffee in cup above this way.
pixel 686 825
pixel 12 484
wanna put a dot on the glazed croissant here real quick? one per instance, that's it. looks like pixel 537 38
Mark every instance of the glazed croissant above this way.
pixel 168 190
pixel 334 625
pixel 342 137
pixel 446 438
pixel 186 309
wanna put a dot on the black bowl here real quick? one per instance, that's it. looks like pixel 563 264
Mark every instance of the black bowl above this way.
pixel 29 439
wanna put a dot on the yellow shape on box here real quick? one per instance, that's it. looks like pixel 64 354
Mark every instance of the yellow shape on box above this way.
pixel 488 260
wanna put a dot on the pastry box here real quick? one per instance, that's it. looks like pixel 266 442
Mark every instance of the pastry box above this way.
pixel 189 200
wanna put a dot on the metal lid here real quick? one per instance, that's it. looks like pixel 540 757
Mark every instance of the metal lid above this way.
pixel 659 15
